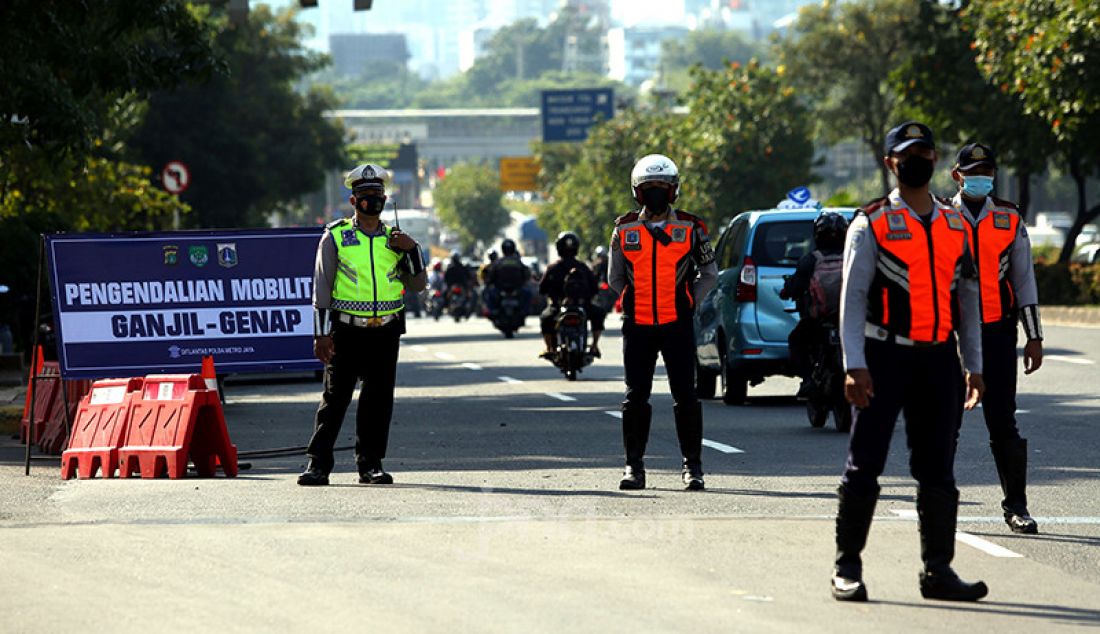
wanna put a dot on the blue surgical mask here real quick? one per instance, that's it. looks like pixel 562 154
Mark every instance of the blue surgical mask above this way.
pixel 977 186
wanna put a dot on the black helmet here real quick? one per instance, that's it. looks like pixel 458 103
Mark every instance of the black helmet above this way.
pixel 508 247
pixel 829 230
pixel 567 244
pixel 492 255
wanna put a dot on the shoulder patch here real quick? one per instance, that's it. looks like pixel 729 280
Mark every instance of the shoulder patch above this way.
pixel 631 216
pixel 692 218
pixel 874 205
pixel 1001 202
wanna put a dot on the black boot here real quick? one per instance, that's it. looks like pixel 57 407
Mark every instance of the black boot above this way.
pixel 314 476
pixel 938 512
pixel 689 430
pixel 853 521
pixel 636 422
pixel 371 472
pixel 1011 460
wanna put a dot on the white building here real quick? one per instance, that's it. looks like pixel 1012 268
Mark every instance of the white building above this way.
pixel 634 53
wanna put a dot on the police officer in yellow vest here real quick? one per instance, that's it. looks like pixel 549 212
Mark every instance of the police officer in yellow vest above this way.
pixel 362 267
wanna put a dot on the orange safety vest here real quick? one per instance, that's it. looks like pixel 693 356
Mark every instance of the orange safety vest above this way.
pixel 660 272
pixel 992 241
pixel 913 293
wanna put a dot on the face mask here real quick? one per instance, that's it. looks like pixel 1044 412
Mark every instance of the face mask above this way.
pixel 915 171
pixel 370 205
pixel 656 199
pixel 977 186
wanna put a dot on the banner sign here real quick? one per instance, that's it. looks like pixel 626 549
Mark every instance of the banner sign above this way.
pixel 144 303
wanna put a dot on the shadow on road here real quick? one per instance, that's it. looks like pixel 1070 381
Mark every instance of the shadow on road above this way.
pixel 1059 613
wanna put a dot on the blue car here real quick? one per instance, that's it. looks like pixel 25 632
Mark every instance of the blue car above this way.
pixel 741 327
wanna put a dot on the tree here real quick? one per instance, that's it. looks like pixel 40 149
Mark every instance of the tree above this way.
pixel 841 55
pixel 1047 54
pixel 944 88
pixel 469 203
pixel 250 139
pixel 710 48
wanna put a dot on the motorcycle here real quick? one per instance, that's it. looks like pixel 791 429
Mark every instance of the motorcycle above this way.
pixel 605 297
pixel 458 302
pixel 571 355
pixel 827 382
pixel 509 313
pixel 436 303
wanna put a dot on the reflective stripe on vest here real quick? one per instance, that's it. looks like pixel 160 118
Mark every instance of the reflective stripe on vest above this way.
pixel 367 281
pixel 993 239
pixel 660 274
pixel 913 293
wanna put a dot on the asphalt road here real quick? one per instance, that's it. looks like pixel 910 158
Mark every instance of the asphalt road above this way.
pixel 506 515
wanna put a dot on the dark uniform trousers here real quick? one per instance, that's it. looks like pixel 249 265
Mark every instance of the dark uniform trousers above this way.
pixel 923 383
pixel 999 409
pixel 675 342
pixel 369 354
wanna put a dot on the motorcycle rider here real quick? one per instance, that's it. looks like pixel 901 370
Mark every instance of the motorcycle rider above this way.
pixel 818 274
pixel 456 274
pixel 506 273
pixel 599 264
pixel 553 287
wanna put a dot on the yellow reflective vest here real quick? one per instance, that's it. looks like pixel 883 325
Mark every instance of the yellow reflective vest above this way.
pixel 367 281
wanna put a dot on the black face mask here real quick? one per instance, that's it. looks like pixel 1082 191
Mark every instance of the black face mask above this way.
pixel 370 205
pixel 656 199
pixel 915 171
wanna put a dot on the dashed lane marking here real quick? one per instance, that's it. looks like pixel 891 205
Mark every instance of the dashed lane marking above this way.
pixel 508 379
pixel 419 348
pixel 1065 359
pixel 613 413
pixel 471 366
pixel 445 356
pixel 983 545
pixel 724 448
pixel 560 396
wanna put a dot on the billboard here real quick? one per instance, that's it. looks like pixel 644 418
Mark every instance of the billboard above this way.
pixel 145 303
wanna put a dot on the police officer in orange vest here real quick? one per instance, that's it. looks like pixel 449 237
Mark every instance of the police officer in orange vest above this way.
pixel 662 263
pixel 1006 281
pixel 909 290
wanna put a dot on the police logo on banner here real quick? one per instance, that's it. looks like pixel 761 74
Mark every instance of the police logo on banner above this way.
pixel 227 254
pixel 171 255
pixel 896 221
pixel 679 234
pixel 1001 220
pixel 198 255
pixel 632 240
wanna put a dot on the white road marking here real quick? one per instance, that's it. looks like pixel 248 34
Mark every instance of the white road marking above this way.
pixel 1019 411
pixel 1063 358
pixel 560 396
pixel 724 448
pixel 508 379
pixel 419 348
pixel 906 513
pixel 613 413
pixel 471 366
pixel 445 356
pixel 985 546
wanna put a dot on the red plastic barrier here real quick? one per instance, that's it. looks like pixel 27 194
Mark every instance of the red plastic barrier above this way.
pixel 98 429
pixel 55 434
pixel 176 417
pixel 47 397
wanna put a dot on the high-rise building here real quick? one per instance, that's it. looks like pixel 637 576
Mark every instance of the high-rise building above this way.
pixel 635 52
pixel 352 53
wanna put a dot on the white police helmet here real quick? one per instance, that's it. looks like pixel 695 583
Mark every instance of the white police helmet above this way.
pixel 367 175
pixel 655 168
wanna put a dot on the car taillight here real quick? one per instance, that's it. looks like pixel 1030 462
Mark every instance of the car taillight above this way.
pixel 604 286
pixel 746 284
pixel 456 290
pixel 571 320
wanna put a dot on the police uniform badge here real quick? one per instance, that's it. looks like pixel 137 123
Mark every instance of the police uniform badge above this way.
pixel 1001 220
pixel 679 234
pixel 896 221
pixel 348 238
pixel 954 221
pixel 632 240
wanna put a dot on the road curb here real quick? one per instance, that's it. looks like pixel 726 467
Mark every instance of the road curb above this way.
pixel 1081 316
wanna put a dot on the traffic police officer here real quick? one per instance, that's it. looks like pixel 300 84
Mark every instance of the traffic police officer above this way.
pixel 362 267
pixel 662 264
pixel 908 289
pixel 1006 283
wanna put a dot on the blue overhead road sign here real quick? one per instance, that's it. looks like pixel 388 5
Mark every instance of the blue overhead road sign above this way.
pixel 567 114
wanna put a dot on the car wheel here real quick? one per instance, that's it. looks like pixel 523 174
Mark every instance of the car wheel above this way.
pixel 735 388
pixel 705 382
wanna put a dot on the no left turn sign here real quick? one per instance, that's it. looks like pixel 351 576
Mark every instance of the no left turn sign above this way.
pixel 176 177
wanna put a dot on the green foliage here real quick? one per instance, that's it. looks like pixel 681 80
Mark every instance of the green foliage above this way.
pixel 710 48
pixel 743 144
pixel 469 203
pixel 841 54
pixel 1062 284
pixel 250 140
pixel 843 198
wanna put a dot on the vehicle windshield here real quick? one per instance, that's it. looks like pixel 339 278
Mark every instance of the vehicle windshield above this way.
pixel 782 243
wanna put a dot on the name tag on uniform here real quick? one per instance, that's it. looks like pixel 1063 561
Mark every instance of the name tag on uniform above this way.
pixel 1001 220
pixel 632 240
pixel 954 221
pixel 898 235
pixel 679 234
pixel 348 238
pixel 896 221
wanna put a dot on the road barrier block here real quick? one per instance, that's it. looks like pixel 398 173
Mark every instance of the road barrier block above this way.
pixel 46 392
pixel 176 417
pixel 99 428
pixel 55 434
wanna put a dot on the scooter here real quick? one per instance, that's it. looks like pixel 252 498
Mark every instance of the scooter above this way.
pixel 458 302
pixel 436 303
pixel 508 315
pixel 827 383
pixel 572 355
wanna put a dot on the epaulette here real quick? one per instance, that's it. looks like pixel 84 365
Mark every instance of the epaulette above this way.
pixel 692 218
pixel 335 223
pixel 630 216
pixel 1001 202
pixel 874 205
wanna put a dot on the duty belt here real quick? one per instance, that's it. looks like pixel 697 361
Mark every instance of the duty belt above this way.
pixel 881 334
pixel 365 322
